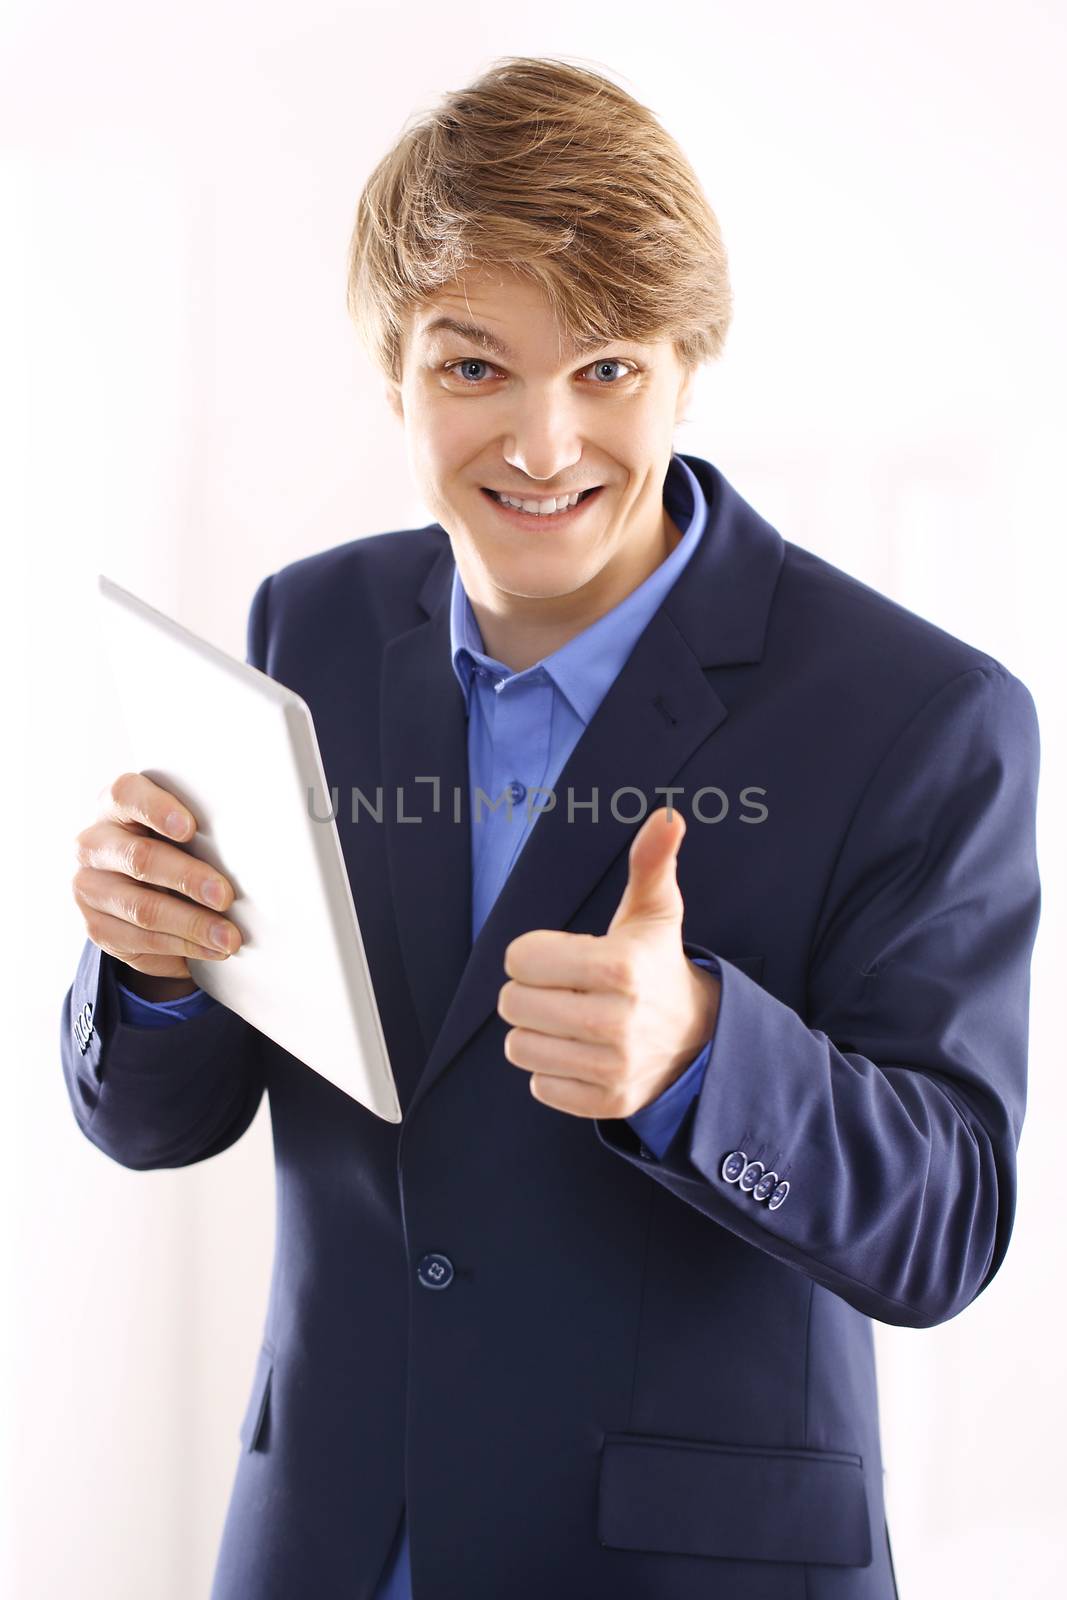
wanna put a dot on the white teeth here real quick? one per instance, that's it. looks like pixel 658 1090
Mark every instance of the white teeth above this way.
pixel 540 508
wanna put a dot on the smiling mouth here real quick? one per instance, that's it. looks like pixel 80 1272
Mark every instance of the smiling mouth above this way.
pixel 496 497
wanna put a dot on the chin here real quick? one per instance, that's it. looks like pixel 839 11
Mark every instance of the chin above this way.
pixel 535 584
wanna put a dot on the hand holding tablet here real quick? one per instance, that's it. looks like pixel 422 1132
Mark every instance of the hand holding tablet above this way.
pixel 150 932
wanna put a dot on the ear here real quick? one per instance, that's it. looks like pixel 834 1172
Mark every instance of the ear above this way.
pixel 394 399
pixel 683 394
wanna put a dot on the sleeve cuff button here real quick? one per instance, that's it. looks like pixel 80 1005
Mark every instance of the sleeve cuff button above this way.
pixel 734 1165
pixel 765 1185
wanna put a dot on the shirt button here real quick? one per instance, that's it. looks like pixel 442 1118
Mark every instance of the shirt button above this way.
pixel 434 1271
pixel 518 790
pixel 751 1176
pixel 778 1196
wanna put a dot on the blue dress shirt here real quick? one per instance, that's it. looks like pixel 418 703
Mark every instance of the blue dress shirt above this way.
pixel 522 727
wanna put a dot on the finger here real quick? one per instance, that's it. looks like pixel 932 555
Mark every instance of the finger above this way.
pixel 134 798
pixel 561 1058
pixel 551 959
pixel 577 1099
pixel 118 896
pixel 156 966
pixel 593 1018
pixel 114 847
pixel 127 941
pixel 652 892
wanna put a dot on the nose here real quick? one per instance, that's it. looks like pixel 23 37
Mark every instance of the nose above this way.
pixel 542 440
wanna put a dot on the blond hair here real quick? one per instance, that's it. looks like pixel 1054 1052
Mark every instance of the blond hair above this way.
pixel 555 173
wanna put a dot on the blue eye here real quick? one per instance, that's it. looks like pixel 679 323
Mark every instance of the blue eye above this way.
pixel 610 362
pixel 470 361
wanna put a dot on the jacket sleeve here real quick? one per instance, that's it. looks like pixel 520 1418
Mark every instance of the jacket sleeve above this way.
pixel 160 1096
pixel 887 1118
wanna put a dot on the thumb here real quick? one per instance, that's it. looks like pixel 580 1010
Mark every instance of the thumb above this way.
pixel 652 893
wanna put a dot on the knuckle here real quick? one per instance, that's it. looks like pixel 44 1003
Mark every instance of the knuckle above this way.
pixel 86 846
pixel 610 1033
pixel 591 1021
pixel 613 1030
pixel 107 800
pixel 626 1006
pixel 138 855
pixel 130 907
pixel 182 883
pixel 597 1022
pixel 628 1069
pixel 617 1104
pixel 619 973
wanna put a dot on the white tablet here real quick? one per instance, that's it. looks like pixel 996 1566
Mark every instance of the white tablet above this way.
pixel 240 751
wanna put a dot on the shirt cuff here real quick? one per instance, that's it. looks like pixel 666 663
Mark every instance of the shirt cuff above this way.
pixel 141 1013
pixel 657 1123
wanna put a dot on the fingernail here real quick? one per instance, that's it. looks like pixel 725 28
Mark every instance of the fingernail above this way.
pixel 176 824
pixel 220 935
pixel 213 892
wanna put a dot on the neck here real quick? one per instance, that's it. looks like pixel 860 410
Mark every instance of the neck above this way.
pixel 520 631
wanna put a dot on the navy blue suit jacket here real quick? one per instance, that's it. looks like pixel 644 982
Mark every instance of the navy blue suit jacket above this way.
pixel 589 1372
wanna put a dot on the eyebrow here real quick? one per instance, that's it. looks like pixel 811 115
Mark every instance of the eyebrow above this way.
pixel 489 341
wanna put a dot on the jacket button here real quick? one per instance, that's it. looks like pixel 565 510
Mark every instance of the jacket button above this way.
pixel 751 1176
pixel 734 1165
pixel 765 1185
pixel 778 1196
pixel 434 1271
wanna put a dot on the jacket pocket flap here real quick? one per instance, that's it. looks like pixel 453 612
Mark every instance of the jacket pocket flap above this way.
pixel 736 1501
pixel 256 1412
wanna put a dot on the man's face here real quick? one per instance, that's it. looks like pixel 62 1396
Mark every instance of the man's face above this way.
pixel 535 419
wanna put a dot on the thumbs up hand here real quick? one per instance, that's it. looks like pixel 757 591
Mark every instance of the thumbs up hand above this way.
pixel 605 1023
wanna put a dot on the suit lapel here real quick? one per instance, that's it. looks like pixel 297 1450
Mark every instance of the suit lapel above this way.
pixel 424 735
pixel 658 712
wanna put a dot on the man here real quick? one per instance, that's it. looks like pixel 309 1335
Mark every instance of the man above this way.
pixel 691 1091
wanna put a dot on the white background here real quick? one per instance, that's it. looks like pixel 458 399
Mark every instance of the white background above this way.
pixel 184 406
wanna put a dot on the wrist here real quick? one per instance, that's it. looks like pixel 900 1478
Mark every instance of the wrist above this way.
pixel 707 991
